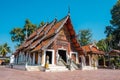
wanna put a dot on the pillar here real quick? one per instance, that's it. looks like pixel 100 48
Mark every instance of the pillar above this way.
pixel 39 59
pixel 83 61
pixel 96 60
pixel 104 61
pixel 21 56
pixel 90 64
pixel 30 60
pixel 43 57
pixel 15 59
pixel 33 61
pixel 26 57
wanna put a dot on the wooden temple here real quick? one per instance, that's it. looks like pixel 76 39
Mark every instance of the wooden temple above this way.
pixel 52 47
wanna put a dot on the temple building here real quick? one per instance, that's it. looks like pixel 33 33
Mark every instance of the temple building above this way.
pixel 53 47
pixel 91 57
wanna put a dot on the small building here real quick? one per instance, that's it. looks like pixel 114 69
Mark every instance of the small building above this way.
pixel 91 57
pixel 114 59
pixel 114 52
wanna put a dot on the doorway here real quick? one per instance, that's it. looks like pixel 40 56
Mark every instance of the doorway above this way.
pixel 49 56
pixel 62 54
pixel 87 60
pixel 36 58
pixel 80 60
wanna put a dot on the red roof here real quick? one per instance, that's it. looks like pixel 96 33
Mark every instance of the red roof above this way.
pixel 114 52
pixel 92 49
pixel 47 34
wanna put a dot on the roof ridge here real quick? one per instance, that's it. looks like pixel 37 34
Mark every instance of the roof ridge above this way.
pixel 66 18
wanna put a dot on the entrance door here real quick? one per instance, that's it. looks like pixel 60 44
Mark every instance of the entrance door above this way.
pixel 80 60
pixel 49 56
pixel 87 60
pixel 36 58
pixel 62 54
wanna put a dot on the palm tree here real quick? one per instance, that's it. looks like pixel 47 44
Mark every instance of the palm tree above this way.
pixel 102 45
pixel 29 28
pixel 4 49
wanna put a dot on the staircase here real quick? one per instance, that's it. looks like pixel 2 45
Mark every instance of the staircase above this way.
pixel 74 66
pixel 89 68
pixel 33 68
pixel 61 66
pixel 56 68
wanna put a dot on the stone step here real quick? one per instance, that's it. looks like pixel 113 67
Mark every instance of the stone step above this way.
pixel 56 69
pixel 33 68
pixel 89 68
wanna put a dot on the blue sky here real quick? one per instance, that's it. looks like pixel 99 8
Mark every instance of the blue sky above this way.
pixel 85 14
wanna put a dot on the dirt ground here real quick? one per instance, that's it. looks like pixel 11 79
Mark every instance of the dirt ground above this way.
pixel 100 74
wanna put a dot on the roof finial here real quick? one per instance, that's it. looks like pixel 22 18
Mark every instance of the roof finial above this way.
pixel 69 10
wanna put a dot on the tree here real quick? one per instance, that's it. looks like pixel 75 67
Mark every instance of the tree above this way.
pixel 85 37
pixel 114 28
pixel 29 28
pixel 17 35
pixel 102 45
pixel 4 49
pixel 20 34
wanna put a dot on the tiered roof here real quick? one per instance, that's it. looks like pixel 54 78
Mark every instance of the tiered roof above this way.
pixel 92 49
pixel 45 35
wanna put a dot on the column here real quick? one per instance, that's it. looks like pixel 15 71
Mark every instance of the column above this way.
pixel 29 59
pixel 97 60
pixel 53 57
pixel 39 59
pixel 104 61
pixel 83 61
pixel 43 57
pixel 77 58
pixel 15 60
pixel 33 59
pixel 90 59
pixel 21 56
pixel 26 60
pixel 26 57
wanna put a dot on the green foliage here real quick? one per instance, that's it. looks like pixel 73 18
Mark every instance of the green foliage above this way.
pixel 106 44
pixel 116 61
pixel 7 60
pixel 42 23
pixel 102 45
pixel 114 28
pixel 18 35
pixel 29 28
pixel 85 37
pixel 4 49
